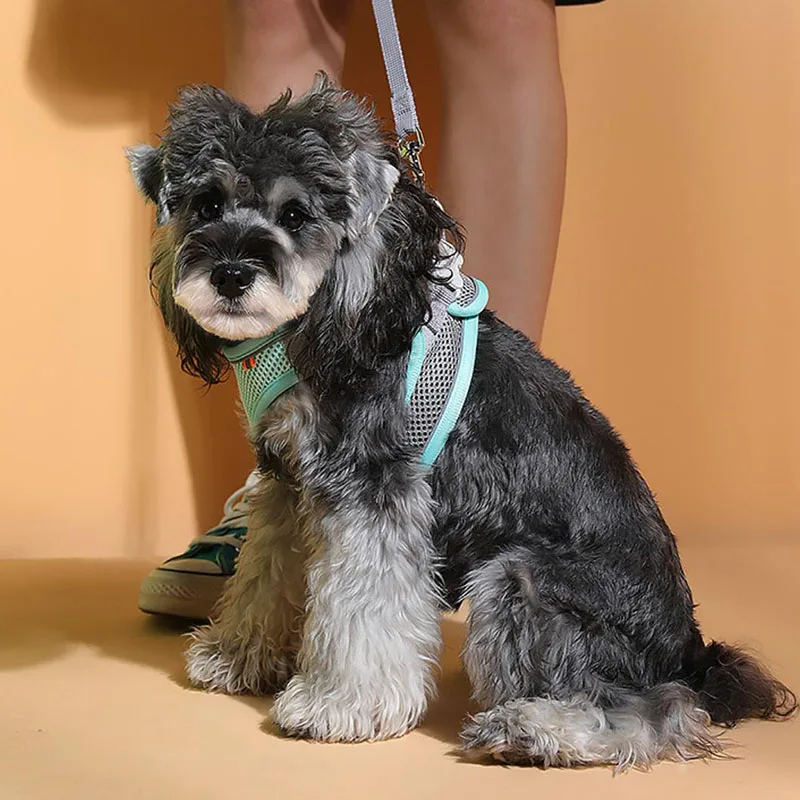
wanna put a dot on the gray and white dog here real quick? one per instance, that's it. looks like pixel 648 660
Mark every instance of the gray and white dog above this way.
pixel 582 646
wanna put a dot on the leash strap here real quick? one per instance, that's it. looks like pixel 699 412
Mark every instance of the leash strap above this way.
pixel 409 134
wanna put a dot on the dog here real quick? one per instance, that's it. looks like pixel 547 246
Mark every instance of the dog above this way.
pixel 582 647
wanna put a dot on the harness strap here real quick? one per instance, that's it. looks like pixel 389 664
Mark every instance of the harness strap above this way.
pixel 440 369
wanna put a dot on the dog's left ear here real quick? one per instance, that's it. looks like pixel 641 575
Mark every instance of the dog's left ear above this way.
pixel 372 181
pixel 349 126
pixel 147 167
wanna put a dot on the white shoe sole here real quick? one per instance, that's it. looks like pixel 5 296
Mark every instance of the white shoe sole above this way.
pixel 189 595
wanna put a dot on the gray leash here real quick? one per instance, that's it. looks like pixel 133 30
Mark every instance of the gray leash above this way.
pixel 409 134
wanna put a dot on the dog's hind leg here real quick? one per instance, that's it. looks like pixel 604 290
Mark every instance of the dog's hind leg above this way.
pixel 664 722
pixel 251 646
pixel 372 633
pixel 531 668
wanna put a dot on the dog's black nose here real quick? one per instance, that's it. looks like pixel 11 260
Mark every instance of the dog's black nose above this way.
pixel 232 280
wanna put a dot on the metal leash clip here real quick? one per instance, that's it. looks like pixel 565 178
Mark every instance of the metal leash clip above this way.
pixel 410 146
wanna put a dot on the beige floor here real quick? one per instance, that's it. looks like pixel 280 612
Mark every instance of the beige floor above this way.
pixel 93 704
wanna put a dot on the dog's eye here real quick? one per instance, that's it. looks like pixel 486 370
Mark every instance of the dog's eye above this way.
pixel 293 218
pixel 209 205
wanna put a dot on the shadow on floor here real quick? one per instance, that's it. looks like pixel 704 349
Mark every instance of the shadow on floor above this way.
pixel 54 606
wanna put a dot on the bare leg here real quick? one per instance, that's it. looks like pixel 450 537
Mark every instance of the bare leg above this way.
pixel 503 149
pixel 272 45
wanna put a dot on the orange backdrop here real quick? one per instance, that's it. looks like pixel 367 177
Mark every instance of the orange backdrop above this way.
pixel 674 303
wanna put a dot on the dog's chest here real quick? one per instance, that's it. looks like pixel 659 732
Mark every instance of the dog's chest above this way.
pixel 286 437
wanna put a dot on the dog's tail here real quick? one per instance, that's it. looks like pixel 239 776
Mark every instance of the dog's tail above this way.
pixel 731 686
pixel 633 728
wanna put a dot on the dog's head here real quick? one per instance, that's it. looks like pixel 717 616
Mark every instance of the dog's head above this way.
pixel 254 209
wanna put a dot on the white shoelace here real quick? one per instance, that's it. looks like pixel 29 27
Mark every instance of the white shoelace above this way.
pixel 235 510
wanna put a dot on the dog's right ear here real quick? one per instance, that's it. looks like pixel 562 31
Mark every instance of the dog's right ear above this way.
pixel 147 167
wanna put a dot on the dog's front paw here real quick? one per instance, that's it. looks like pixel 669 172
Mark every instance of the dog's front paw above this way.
pixel 222 664
pixel 309 711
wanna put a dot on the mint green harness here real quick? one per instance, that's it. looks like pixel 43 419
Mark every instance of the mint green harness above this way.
pixel 263 372
pixel 440 367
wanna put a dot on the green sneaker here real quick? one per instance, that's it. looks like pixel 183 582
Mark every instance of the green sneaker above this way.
pixel 188 585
